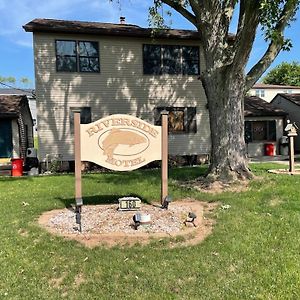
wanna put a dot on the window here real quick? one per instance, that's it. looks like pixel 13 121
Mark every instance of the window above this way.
pixel 181 119
pixel 85 116
pixel 170 59
pixel 77 56
pixel 260 131
pixel 260 93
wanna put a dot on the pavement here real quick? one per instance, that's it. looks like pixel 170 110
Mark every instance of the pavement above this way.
pixel 282 159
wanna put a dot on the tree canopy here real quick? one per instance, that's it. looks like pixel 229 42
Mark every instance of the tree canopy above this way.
pixel 11 81
pixel 284 74
pixel 226 55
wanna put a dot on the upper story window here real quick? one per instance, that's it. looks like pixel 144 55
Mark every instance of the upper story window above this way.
pixel 260 93
pixel 170 59
pixel 77 56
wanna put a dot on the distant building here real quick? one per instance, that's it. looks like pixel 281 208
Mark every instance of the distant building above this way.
pixel 291 104
pixel 30 94
pixel 16 127
pixel 268 91
pixel 264 125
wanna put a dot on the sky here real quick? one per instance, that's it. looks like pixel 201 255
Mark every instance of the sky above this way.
pixel 16 49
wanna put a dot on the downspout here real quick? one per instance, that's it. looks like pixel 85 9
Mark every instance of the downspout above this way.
pixel 22 136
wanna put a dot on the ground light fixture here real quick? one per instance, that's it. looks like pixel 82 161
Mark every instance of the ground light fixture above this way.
pixel 167 201
pixel 141 219
pixel 191 218
pixel 78 216
pixel 137 220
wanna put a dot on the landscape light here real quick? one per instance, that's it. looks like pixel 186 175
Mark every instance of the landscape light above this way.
pixel 137 220
pixel 166 202
pixel 191 218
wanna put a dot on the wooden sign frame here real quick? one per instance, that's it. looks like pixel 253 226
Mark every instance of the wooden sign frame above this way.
pixel 164 157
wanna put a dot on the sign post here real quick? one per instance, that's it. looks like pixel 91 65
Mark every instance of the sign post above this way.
pixel 164 155
pixel 78 191
pixel 292 132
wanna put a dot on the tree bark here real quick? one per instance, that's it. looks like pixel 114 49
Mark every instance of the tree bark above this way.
pixel 225 94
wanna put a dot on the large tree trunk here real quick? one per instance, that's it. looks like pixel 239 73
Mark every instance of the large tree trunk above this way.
pixel 225 96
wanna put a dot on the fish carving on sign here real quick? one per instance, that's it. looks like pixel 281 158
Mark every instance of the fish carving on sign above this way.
pixel 118 137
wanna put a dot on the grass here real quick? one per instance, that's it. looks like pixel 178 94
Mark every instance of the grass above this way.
pixel 253 252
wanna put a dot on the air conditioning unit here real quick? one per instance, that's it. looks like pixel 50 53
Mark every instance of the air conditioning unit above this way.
pixel 31 152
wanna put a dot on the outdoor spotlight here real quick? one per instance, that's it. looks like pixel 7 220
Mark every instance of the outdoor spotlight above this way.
pixel 137 220
pixel 191 218
pixel 78 216
pixel 166 202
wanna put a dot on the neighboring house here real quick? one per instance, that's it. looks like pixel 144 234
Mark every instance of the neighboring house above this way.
pixel 269 91
pixel 16 127
pixel 291 104
pixel 31 100
pixel 264 125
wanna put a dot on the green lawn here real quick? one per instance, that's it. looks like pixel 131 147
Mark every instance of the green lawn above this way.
pixel 253 253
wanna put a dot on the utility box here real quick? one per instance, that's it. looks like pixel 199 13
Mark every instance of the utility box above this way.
pixel 31 152
pixel 284 145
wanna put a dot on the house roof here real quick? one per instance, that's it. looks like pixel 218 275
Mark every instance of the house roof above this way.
pixel 12 91
pixel 10 105
pixel 109 29
pixel 257 107
pixel 274 86
pixel 294 98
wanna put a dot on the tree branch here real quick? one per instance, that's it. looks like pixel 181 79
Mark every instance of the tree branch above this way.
pixel 259 68
pixel 248 23
pixel 274 47
pixel 180 9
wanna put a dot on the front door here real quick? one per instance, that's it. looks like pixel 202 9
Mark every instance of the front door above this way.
pixel 6 145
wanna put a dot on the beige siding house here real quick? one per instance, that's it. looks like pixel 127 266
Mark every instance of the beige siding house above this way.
pixel 121 76
pixel 291 104
pixel 269 91
pixel 109 69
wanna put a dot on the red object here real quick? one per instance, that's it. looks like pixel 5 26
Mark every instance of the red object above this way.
pixel 17 166
pixel 269 149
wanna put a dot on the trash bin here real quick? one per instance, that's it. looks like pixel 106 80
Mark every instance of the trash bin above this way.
pixel 17 167
pixel 269 149
pixel 284 145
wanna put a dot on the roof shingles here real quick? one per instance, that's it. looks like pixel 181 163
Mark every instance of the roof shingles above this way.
pixel 10 105
pixel 255 106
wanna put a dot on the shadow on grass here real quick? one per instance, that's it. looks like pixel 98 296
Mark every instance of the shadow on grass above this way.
pixel 152 175
pixel 98 199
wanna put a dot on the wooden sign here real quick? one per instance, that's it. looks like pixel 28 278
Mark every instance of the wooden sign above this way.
pixel 120 142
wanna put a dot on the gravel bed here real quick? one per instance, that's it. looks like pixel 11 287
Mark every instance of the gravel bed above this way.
pixel 107 219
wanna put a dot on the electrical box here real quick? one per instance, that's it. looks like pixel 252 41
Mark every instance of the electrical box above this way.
pixel 31 152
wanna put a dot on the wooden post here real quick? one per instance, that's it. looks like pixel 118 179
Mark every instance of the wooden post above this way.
pixel 78 192
pixel 164 155
pixel 291 153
